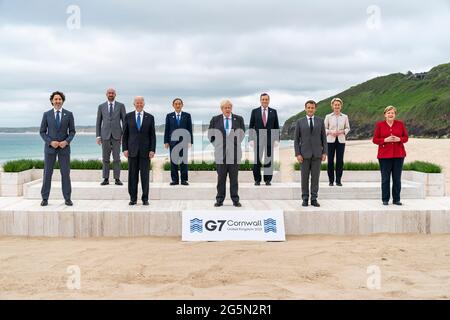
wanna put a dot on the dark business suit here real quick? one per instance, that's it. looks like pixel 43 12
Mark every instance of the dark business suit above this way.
pixel 311 145
pixel 180 144
pixel 264 137
pixel 227 153
pixel 49 132
pixel 109 129
pixel 139 144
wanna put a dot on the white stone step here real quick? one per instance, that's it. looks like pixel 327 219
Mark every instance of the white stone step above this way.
pixel 114 218
pixel 207 191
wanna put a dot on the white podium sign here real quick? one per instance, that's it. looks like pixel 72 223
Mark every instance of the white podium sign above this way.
pixel 234 225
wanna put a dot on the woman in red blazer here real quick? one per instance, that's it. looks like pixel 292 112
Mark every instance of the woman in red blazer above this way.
pixel 390 135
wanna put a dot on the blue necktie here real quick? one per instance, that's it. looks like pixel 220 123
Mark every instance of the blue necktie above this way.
pixel 58 120
pixel 178 119
pixel 311 126
pixel 227 125
pixel 138 121
pixel 110 109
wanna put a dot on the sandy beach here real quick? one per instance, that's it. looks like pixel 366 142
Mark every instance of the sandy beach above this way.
pixel 310 267
pixel 307 267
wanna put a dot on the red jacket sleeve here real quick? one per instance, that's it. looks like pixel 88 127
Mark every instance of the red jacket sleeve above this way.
pixel 377 139
pixel 404 137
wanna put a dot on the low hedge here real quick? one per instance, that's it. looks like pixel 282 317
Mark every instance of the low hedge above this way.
pixel 211 166
pixel 76 164
pixel 420 166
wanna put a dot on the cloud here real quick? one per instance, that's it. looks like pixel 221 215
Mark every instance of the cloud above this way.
pixel 206 51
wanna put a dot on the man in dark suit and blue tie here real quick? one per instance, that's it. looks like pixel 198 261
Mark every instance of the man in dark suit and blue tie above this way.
pixel 226 132
pixel 57 130
pixel 138 145
pixel 263 135
pixel 178 137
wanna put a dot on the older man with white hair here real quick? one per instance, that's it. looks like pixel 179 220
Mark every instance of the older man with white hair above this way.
pixel 226 132
pixel 138 145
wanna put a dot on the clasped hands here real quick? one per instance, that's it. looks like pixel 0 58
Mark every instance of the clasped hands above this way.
pixel 300 158
pixel 336 133
pixel 392 139
pixel 59 144
pixel 151 154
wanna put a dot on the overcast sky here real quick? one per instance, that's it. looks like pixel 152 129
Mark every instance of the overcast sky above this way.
pixel 205 51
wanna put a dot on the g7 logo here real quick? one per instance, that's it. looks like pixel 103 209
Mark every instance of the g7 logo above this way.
pixel 211 225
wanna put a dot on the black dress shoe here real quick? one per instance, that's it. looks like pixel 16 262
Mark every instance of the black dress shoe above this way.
pixel 257 183
pixel 305 203
pixel 314 203
pixel 331 184
pixel 237 204
pixel 385 203
pixel 268 183
pixel 118 182
pixel 44 203
pixel 184 183
pixel 398 203
pixel 132 203
pixel 339 184
pixel 218 204
pixel 145 203
pixel 105 182
pixel 173 183
pixel 69 203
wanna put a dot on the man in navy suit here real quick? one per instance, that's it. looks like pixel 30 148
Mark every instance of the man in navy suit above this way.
pixel 263 135
pixel 226 132
pixel 178 137
pixel 138 145
pixel 57 130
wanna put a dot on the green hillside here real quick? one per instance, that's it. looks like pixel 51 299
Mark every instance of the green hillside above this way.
pixel 422 101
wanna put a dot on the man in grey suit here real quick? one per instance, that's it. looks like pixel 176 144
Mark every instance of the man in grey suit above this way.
pixel 57 130
pixel 311 149
pixel 226 132
pixel 109 129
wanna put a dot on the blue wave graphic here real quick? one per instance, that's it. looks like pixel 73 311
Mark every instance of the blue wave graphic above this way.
pixel 270 225
pixel 196 225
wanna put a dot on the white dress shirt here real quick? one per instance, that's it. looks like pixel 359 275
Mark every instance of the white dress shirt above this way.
pixel 230 123
pixel 142 115
pixel 313 121
pixel 60 113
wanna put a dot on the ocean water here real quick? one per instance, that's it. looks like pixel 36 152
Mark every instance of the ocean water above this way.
pixel 30 146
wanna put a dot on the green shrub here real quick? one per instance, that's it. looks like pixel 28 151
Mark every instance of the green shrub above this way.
pixel 18 165
pixel 211 166
pixel 76 164
pixel 422 166
pixel 419 166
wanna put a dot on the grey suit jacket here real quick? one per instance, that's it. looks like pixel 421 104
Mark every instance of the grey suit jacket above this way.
pixel 49 132
pixel 108 126
pixel 310 145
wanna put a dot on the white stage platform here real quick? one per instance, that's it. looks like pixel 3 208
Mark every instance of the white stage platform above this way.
pixel 114 218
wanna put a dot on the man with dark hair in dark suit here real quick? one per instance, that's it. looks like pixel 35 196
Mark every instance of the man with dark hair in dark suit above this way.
pixel 226 132
pixel 311 148
pixel 178 137
pixel 57 130
pixel 263 135
pixel 138 145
